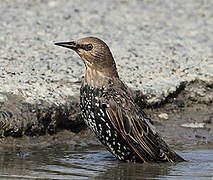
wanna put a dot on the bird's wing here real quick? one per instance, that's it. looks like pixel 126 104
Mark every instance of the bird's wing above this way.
pixel 135 128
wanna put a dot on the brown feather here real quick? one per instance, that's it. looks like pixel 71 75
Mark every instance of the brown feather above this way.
pixel 135 128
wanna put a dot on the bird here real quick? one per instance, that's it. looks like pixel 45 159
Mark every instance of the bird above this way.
pixel 108 108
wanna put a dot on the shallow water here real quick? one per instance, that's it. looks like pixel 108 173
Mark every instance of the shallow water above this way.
pixel 84 158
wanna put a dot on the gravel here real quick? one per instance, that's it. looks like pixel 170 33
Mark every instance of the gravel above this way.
pixel 157 45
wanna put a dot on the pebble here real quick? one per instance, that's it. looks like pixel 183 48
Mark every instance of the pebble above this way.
pixel 163 116
pixel 194 125
pixel 3 98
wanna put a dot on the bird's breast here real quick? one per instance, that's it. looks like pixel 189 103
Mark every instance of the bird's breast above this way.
pixel 96 118
pixel 91 109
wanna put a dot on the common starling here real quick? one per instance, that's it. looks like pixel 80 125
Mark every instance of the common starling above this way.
pixel 109 110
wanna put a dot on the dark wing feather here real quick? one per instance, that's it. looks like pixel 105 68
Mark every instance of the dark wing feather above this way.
pixel 135 128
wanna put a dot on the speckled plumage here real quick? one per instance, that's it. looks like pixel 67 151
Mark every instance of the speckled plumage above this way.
pixel 95 116
pixel 110 112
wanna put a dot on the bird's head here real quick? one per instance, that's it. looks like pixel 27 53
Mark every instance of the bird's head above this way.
pixel 95 54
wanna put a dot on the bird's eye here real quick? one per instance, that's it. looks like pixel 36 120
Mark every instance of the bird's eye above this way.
pixel 88 47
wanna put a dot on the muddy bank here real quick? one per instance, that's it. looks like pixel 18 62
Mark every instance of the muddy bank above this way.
pixel 19 118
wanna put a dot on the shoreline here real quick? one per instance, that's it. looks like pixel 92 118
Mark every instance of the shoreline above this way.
pixel 19 118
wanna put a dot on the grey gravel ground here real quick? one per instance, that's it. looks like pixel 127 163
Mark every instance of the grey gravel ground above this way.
pixel 157 44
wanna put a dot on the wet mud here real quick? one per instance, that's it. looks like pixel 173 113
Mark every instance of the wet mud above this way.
pixel 19 118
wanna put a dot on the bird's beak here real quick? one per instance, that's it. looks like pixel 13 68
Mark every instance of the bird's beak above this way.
pixel 71 45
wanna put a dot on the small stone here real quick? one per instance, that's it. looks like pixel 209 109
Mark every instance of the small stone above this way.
pixel 194 125
pixel 163 116
pixel 3 98
pixel 52 4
